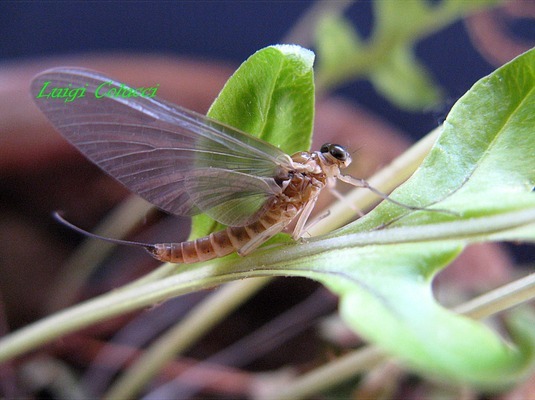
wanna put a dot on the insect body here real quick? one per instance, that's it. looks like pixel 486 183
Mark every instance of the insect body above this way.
pixel 186 163
pixel 300 188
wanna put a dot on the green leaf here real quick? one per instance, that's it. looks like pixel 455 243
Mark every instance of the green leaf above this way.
pixel 404 81
pixel 270 96
pixel 382 266
pixel 483 162
pixel 387 58
pixel 405 21
pixel 482 168
pixel 336 41
pixel 392 17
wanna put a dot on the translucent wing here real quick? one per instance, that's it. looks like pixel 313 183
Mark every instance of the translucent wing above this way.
pixel 236 207
pixel 155 148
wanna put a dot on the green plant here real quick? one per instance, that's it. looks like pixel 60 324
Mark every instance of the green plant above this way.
pixel 381 266
pixel 387 58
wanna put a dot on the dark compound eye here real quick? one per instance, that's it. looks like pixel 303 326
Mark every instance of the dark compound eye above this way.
pixel 338 152
pixel 325 148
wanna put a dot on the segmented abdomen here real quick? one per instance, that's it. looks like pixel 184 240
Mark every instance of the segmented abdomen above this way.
pixel 218 244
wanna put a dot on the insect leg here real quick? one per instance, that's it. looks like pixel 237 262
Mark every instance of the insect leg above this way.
pixel 312 223
pixel 261 238
pixel 358 182
pixel 331 185
pixel 299 229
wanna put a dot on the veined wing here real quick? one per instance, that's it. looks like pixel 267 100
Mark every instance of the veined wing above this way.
pixel 154 148
pixel 222 204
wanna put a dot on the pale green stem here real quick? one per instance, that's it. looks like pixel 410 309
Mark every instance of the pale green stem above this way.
pixel 473 229
pixel 106 306
pixel 163 271
pixel 503 298
pixel 329 375
pixel 366 358
pixel 261 263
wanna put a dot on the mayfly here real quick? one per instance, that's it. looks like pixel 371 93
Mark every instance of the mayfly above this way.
pixel 185 163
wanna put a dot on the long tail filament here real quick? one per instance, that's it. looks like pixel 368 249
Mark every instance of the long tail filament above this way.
pixel 58 217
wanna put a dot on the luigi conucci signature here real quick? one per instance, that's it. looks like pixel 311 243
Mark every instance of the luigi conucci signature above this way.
pixel 106 89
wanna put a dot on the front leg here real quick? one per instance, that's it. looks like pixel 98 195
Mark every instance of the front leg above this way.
pixel 300 226
pixel 358 182
pixel 331 185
